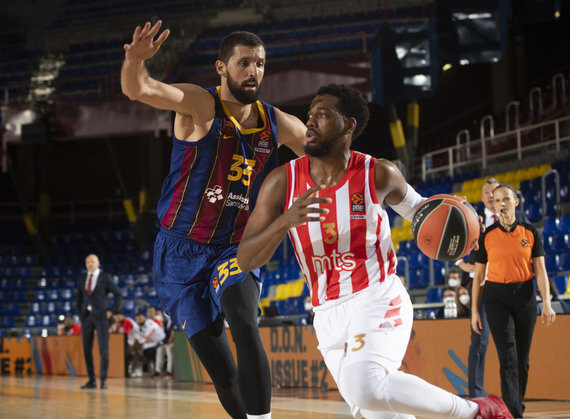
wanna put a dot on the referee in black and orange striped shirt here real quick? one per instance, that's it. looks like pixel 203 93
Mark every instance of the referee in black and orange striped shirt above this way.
pixel 509 250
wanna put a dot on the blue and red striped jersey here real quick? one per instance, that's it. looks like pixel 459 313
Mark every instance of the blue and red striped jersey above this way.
pixel 213 182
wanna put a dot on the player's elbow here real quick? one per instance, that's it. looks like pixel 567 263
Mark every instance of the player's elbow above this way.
pixel 130 93
pixel 245 260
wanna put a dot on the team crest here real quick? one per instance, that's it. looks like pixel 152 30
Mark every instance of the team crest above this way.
pixel 357 202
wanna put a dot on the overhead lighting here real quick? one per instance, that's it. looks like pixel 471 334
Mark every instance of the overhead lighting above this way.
pixel 463 61
pixel 557 14
pixel 446 67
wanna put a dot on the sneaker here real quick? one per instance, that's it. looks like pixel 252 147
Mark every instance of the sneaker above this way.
pixel 492 407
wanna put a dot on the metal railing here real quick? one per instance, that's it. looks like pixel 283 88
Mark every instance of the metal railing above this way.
pixel 477 153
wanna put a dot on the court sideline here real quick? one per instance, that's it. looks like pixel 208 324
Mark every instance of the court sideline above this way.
pixel 59 397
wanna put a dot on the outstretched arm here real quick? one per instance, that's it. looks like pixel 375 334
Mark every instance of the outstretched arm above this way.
pixel 268 224
pixel 137 84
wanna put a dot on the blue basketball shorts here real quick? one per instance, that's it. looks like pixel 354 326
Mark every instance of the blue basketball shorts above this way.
pixel 190 278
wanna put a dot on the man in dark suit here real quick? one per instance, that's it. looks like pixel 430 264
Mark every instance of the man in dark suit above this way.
pixel 94 286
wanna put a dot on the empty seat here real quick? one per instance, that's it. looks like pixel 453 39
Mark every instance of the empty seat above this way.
pixel 434 295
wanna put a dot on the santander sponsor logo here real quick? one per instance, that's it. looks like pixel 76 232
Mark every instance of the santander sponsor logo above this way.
pixel 337 261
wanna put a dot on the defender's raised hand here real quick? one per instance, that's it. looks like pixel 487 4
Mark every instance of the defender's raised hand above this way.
pixel 144 45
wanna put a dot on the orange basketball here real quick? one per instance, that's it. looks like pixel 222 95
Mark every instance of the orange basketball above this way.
pixel 446 227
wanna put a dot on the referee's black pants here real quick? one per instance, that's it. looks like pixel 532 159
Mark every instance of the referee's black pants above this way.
pixel 511 313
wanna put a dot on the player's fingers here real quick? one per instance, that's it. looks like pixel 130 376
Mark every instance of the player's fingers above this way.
pixel 145 29
pixel 153 31
pixel 162 38
pixel 311 191
pixel 137 34
pixel 317 200
pixel 316 210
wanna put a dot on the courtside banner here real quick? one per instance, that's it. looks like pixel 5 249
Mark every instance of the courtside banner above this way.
pixel 437 352
pixel 61 355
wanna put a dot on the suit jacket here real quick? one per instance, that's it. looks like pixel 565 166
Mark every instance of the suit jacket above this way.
pixel 98 298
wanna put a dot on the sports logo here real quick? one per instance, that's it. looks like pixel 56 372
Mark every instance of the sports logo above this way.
pixel 357 202
pixel 214 194
pixel 524 243
pixel 215 283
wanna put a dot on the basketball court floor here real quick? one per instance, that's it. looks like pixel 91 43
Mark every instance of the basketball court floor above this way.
pixel 46 397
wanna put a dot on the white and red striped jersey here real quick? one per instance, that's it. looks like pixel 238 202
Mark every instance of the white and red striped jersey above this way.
pixel 352 247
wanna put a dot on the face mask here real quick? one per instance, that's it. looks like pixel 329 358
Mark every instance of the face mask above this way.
pixel 448 300
pixel 452 282
pixel 308 306
pixel 464 299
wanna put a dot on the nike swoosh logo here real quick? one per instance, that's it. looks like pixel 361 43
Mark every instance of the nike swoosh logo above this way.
pixel 225 137
pixel 184 325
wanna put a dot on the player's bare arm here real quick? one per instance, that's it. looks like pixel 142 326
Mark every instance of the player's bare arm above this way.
pixel 194 106
pixel 390 183
pixel 291 132
pixel 269 224
pixel 392 189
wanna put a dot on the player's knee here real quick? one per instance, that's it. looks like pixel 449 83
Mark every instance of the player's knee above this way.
pixel 364 384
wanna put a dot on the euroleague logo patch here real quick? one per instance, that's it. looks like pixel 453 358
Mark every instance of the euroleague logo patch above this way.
pixel 357 202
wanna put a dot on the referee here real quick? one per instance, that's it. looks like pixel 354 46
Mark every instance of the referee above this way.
pixel 511 249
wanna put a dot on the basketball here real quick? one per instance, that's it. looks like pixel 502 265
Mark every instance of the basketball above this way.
pixel 446 227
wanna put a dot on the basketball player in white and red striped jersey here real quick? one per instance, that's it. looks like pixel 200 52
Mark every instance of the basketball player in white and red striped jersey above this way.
pixel 331 204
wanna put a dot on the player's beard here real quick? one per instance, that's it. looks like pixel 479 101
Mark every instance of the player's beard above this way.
pixel 322 148
pixel 244 97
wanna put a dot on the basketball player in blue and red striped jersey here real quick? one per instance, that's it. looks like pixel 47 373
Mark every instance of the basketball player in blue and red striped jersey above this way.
pixel 225 143
pixel 331 203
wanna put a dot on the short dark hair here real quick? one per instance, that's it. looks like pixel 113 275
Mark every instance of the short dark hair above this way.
pixel 351 104
pixel 237 38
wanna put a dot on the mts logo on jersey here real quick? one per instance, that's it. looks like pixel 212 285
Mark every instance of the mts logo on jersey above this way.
pixel 337 261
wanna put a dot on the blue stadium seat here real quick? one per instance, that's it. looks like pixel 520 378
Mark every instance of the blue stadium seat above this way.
pixel 53 295
pixel 36 308
pixel 52 307
pixel 41 295
pixel 32 321
pixel 419 278
pixel 552 263
pixel 67 294
pixel 551 225
pixel 19 296
pixel 438 272
pixel 7 284
pixel 8 322
pixel 564 262
pixel 67 307
pixel 561 282
pixel 434 295
pixel 533 212
pixel 13 309
pixel 48 320
pixel 5 296
pixel 418 260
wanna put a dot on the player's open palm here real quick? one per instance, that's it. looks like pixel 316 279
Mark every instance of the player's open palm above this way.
pixel 305 208
pixel 144 45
